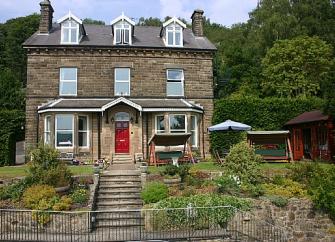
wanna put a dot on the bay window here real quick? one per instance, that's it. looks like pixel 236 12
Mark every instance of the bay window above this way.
pixel 177 123
pixel 83 131
pixel 159 124
pixel 64 130
pixel 47 130
pixel 194 131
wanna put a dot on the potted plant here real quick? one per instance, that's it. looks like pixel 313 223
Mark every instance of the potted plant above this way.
pixel 144 167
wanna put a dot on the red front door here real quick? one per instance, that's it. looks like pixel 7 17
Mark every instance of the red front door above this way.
pixel 298 150
pixel 122 137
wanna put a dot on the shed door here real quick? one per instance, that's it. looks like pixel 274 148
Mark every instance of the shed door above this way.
pixel 298 150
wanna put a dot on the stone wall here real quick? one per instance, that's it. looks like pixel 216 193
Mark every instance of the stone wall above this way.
pixel 301 221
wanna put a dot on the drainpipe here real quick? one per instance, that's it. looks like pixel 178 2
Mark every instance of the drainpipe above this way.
pixel 147 124
pixel 203 137
pixel 38 128
pixel 99 136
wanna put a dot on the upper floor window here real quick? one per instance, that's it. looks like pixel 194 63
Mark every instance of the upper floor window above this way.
pixel 122 30
pixel 71 29
pixel 173 32
pixel 68 82
pixel 122 82
pixel 175 82
pixel 159 124
pixel 177 123
pixel 64 130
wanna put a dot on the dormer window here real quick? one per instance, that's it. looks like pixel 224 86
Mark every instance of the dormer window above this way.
pixel 172 32
pixel 122 33
pixel 72 29
pixel 123 29
pixel 70 32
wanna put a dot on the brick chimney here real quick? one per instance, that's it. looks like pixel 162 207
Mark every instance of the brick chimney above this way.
pixel 198 22
pixel 46 17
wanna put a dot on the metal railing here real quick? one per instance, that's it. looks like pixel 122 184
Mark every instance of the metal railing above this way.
pixel 137 225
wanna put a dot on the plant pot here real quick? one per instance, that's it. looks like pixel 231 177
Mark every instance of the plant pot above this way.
pixel 172 181
pixel 62 189
pixel 144 169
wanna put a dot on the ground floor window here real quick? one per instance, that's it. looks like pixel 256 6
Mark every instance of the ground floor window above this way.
pixel 159 124
pixel 177 123
pixel 194 131
pixel 83 131
pixel 322 137
pixel 47 130
pixel 64 130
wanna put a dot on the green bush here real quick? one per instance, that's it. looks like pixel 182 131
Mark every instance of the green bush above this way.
pixel 154 192
pixel 253 190
pixel 243 163
pixel 259 113
pixel 196 211
pixel 278 201
pixel 15 191
pixel 39 197
pixel 288 189
pixel 228 184
pixel 63 204
pixel 79 196
pixel 183 172
pixel 46 168
pixel 11 123
pixel 170 170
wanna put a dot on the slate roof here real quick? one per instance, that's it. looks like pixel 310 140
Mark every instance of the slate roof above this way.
pixel 308 117
pixel 97 104
pixel 101 36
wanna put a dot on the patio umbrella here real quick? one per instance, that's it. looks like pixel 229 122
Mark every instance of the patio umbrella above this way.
pixel 229 125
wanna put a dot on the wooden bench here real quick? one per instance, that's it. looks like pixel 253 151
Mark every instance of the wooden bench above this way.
pixel 279 154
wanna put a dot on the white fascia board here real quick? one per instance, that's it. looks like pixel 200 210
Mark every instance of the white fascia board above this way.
pixel 123 100
pixel 174 20
pixel 123 17
pixel 70 110
pixel 171 110
pixel 69 16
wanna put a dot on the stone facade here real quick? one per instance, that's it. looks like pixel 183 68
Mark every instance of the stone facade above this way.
pixel 96 80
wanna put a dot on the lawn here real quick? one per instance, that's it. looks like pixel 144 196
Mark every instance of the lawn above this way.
pixel 19 171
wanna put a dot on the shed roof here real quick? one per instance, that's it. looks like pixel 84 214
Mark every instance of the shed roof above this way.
pixel 277 132
pixel 308 117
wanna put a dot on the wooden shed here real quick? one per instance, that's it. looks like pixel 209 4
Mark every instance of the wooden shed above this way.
pixel 312 136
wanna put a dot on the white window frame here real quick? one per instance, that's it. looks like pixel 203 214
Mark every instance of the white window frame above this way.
pixel 68 81
pixel 56 130
pixel 121 81
pixel 178 130
pixel 195 130
pixel 87 131
pixel 174 31
pixel 160 131
pixel 64 28
pixel 122 32
pixel 175 80
pixel 47 129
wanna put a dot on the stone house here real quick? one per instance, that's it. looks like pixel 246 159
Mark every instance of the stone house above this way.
pixel 99 90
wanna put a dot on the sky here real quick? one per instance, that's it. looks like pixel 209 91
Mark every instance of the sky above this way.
pixel 225 12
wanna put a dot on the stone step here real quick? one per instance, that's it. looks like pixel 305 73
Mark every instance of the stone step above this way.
pixel 104 207
pixel 120 179
pixel 112 173
pixel 117 191
pixel 119 215
pixel 119 224
pixel 118 196
pixel 119 186
pixel 120 203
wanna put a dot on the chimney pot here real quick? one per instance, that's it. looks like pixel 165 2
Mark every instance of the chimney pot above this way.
pixel 197 22
pixel 46 17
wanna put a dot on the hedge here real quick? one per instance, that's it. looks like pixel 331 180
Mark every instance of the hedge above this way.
pixel 11 123
pixel 260 114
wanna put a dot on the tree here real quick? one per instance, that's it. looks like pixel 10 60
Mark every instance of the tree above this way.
pixel 93 21
pixel 297 67
pixel 149 22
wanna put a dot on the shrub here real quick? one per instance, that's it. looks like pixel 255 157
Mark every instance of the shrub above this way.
pixel 183 172
pixel 304 171
pixel 288 189
pixel 196 214
pixel 244 163
pixel 39 197
pixel 79 196
pixel 170 170
pixel 228 184
pixel 46 168
pixel 253 190
pixel 15 191
pixel 63 204
pixel 154 192
pixel 278 201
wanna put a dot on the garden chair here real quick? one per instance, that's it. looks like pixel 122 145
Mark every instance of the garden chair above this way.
pixel 218 159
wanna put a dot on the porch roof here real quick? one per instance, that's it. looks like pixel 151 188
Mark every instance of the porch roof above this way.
pixel 102 104
pixel 307 117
